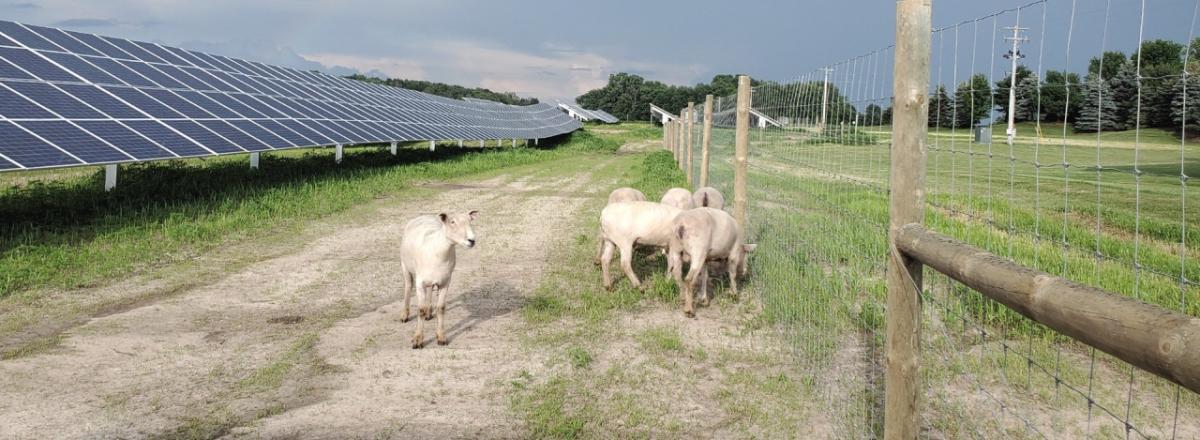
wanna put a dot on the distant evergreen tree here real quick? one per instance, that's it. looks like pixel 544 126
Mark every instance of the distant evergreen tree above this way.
pixel 1060 96
pixel 972 101
pixel 1098 110
pixel 1000 93
pixel 872 115
pixel 1124 92
pixel 941 109
pixel 1028 103
pixel 1192 100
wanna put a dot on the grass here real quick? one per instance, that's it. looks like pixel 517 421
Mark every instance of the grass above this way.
pixel 819 212
pixel 67 232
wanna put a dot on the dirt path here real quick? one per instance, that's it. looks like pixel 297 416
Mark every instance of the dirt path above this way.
pixel 307 343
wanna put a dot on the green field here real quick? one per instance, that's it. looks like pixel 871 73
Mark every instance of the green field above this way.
pixel 818 207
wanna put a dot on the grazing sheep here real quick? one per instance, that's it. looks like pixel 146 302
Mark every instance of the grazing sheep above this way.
pixel 679 198
pixel 701 235
pixel 624 224
pixel 625 194
pixel 427 261
pixel 708 197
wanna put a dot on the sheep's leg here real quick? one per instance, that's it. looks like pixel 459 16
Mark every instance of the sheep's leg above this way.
pixel 599 247
pixel 627 265
pixel 694 269
pixel 441 314
pixel 408 286
pixel 704 286
pixel 733 274
pixel 605 263
pixel 419 337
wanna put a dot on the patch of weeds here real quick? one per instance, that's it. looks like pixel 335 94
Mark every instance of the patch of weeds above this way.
pixel 545 408
pixel 661 340
pixel 272 376
pixel 34 347
pixel 543 307
pixel 579 357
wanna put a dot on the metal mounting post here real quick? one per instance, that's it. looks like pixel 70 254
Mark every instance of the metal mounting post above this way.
pixel 337 153
pixel 110 177
pixel 254 161
pixel 394 145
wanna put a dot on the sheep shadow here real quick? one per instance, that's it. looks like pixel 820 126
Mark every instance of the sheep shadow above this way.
pixel 483 303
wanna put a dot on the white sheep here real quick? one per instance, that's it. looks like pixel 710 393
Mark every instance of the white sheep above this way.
pixel 625 224
pixel 624 194
pixel 679 198
pixel 708 197
pixel 701 235
pixel 427 262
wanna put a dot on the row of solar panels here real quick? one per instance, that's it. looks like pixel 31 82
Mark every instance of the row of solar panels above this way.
pixel 582 114
pixel 70 98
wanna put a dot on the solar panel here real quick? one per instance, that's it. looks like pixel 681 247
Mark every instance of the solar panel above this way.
pixel 70 98
pixel 605 116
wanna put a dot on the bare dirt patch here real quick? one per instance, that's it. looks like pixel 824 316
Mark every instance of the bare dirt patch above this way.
pixel 302 337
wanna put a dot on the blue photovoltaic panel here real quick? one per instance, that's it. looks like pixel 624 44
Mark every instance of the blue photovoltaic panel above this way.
pixel 29 151
pixel 54 100
pixel 102 101
pixel 13 106
pixel 63 40
pixel 35 65
pixel 168 138
pixel 25 37
pixel 94 99
pixel 79 143
pixel 82 68
pixel 128 140
pixel 205 137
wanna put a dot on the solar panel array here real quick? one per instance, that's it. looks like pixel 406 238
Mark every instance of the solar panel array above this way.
pixel 70 98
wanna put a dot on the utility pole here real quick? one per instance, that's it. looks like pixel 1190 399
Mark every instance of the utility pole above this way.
pixel 825 98
pixel 1013 54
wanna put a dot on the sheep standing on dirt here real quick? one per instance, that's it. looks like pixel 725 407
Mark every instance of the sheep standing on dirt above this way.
pixel 624 194
pixel 625 224
pixel 708 197
pixel 679 198
pixel 701 235
pixel 427 261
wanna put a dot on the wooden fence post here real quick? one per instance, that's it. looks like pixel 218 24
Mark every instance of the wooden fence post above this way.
pixel 691 127
pixel 705 140
pixel 907 205
pixel 741 144
pixel 666 135
pixel 682 137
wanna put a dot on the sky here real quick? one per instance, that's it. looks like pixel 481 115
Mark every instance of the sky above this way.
pixel 556 49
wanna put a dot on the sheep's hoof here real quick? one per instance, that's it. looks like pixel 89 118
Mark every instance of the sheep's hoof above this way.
pixel 703 302
pixel 608 287
pixel 442 341
pixel 689 314
pixel 404 318
pixel 418 343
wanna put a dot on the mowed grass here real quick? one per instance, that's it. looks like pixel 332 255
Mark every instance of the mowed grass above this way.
pixel 60 230
pixel 820 213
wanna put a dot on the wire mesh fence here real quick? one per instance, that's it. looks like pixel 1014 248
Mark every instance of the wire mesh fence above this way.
pixel 1079 167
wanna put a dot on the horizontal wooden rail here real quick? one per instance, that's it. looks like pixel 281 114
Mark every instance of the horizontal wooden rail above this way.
pixel 1146 336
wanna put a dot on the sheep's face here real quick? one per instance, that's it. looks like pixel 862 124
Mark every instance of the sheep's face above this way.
pixel 457 227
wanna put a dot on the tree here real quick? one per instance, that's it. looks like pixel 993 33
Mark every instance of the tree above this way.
pixel 1184 108
pixel 1001 92
pixel 1028 105
pixel 972 101
pixel 1112 62
pixel 1098 111
pixel 1060 96
pixel 872 115
pixel 1124 92
pixel 940 108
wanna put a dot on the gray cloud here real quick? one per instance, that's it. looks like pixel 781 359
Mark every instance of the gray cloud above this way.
pixel 20 5
pixel 86 23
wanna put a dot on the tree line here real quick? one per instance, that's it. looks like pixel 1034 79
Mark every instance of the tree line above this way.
pixel 448 90
pixel 1111 95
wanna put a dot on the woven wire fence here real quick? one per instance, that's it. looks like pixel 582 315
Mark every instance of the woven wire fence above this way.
pixel 1091 185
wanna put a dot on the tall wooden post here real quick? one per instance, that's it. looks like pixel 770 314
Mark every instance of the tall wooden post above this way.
pixel 679 125
pixel 741 146
pixel 666 125
pixel 907 205
pixel 705 140
pixel 670 127
pixel 691 125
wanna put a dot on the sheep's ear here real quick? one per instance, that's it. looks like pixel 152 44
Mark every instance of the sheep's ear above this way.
pixel 474 215
pixel 443 217
pixel 749 247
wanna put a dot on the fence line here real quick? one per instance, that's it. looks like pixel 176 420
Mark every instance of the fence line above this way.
pixel 1085 189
